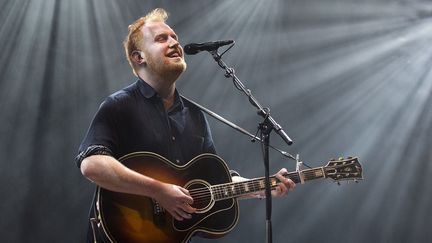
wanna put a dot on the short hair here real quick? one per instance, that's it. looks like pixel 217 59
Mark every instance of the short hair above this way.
pixel 134 36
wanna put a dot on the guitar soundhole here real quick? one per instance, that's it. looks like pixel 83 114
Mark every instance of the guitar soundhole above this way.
pixel 201 193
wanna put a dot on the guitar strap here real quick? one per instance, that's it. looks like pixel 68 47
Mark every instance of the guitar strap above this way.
pixel 94 225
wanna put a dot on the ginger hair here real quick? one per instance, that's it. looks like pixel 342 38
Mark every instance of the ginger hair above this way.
pixel 134 38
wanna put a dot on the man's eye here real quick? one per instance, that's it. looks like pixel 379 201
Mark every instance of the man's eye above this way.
pixel 161 39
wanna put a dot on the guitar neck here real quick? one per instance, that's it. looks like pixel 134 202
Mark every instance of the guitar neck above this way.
pixel 237 189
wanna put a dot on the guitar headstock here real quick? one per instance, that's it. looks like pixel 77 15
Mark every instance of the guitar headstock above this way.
pixel 344 169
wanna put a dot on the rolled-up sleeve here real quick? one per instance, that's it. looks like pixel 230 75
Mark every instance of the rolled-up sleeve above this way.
pixel 101 137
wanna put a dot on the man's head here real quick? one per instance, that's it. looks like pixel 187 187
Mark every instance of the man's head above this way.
pixel 153 46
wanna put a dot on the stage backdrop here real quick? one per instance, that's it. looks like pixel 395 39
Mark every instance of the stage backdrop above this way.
pixel 343 77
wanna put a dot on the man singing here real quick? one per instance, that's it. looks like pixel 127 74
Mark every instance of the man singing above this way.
pixel 150 115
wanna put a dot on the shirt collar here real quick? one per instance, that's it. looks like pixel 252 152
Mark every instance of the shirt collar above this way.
pixel 148 92
pixel 145 89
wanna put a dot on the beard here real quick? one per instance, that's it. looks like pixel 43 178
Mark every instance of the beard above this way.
pixel 165 67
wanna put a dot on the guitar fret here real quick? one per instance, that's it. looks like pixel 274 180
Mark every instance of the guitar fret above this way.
pixel 294 176
pixel 214 191
pixel 253 186
pixel 218 192
pixel 311 174
pixel 260 184
pixel 238 189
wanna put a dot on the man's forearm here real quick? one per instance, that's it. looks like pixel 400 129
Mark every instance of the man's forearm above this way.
pixel 109 173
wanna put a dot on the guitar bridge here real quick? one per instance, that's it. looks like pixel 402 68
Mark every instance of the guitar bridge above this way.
pixel 157 209
pixel 158 214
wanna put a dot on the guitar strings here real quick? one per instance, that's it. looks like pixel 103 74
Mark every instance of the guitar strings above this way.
pixel 233 189
pixel 238 188
pixel 219 190
pixel 238 185
pixel 206 197
pixel 229 190
pixel 254 184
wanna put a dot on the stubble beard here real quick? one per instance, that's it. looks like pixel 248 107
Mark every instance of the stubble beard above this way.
pixel 165 68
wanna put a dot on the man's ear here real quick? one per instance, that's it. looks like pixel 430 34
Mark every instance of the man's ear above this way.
pixel 138 57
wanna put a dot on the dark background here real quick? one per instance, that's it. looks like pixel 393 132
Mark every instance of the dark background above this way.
pixel 343 77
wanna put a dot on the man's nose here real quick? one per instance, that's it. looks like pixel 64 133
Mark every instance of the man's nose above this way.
pixel 173 42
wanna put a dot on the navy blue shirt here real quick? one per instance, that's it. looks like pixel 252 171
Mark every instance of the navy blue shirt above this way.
pixel 134 119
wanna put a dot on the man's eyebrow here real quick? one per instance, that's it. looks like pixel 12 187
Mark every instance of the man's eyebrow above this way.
pixel 166 34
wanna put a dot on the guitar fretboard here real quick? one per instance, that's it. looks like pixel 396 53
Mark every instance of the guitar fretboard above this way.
pixel 237 189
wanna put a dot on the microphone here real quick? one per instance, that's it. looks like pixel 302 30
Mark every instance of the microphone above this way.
pixel 194 48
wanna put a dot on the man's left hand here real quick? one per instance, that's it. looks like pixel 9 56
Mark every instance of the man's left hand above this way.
pixel 284 186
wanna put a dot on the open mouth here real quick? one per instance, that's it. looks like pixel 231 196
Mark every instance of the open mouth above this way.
pixel 174 54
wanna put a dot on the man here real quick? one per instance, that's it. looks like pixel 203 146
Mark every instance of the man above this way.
pixel 150 115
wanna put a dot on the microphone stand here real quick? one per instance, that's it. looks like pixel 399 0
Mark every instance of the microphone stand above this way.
pixel 265 128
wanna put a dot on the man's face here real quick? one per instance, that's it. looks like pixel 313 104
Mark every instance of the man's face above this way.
pixel 163 53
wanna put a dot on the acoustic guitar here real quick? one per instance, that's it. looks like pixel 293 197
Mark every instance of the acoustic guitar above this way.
pixel 125 218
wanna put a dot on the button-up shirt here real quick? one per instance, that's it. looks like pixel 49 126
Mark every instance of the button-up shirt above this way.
pixel 134 119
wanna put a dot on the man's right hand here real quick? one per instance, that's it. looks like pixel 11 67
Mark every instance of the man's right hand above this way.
pixel 176 200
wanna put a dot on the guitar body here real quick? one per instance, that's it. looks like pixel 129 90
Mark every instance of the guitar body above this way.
pixel 131 218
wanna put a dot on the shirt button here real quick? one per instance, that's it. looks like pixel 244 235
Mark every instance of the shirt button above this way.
pixel 173 138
